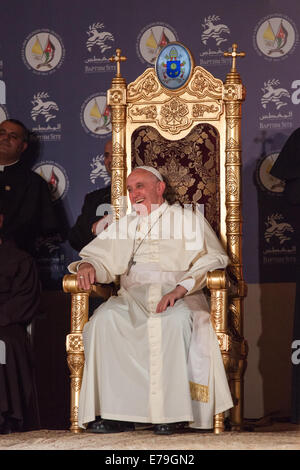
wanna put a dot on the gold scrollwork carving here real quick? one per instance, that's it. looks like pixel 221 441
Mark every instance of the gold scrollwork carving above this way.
pixel 78 310
pixel 235 317
pixel 117 113
pixel 200 109
pixel 232 122
pixel 203 84
pixel 75 413
pixel 230 92
pixel 217 303
pixel 223 340
pixel 174 116
pixel 233 212
pixel 145 87
pixel 149 112
pixel 231 144
pixel 76 384
pixel 233 227
pixel 118 127
pixel 117 149
pixel 116 97
pixel 234 268
pixel 232 183
pixel 117 187
pixel 75 362
pixel 233 243
pixel 233 92
pixel 74 343
pixel 233 109
pixel 233 157
pixel 118 163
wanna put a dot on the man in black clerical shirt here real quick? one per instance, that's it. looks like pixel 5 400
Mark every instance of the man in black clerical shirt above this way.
pixel 287 168
pixel 19 305
pixel 25 194
pixel 85 228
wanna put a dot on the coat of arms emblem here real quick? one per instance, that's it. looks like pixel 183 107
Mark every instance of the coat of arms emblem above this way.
pixel 174 66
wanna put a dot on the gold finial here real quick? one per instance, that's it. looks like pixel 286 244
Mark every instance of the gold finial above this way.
pixel 118 59
pixel 234 55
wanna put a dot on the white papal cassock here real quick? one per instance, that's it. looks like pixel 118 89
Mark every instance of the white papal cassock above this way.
pixel 144 366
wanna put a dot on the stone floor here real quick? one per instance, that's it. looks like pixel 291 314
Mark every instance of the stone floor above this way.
pixel 277 436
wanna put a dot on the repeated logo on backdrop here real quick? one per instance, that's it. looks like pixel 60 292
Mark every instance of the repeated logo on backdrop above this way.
pixel 98 170
pixel 266 181
pixel 55 176
pixel 276 106
pixel 95 116
pixel 152 39
pixel 100 47
pixel 279 246
pixel 53 85
pixel 43 113
pixel 43 51
pixel 275 37
pixel 215 39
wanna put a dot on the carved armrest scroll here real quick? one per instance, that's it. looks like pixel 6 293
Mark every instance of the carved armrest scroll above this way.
pixel 217 284
pixel 74 344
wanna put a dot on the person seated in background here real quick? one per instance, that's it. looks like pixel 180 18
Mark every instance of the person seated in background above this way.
pixel 287 169
pixel 151 354
pixel 19 304
pixel 29 209
pixel 85 228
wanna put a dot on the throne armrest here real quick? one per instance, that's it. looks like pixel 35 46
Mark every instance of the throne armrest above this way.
pixel 217 283
pixel 98 290
pixel 74 344
pixel 226 295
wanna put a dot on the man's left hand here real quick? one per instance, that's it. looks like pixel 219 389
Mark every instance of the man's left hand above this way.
pixel 169 299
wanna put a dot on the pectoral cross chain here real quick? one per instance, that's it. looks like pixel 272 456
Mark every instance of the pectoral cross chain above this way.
pixel 131 261
pixel 130 264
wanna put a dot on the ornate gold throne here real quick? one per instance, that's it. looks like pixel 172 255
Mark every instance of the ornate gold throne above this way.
pixel 193 135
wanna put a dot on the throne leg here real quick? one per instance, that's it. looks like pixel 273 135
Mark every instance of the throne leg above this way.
pixel 75 363
pixel 219 425
pixel 75 352
pixel 216 282
pixel 237 411
pixel 237 387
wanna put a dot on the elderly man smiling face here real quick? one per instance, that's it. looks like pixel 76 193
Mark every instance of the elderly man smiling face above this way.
pixel 145 191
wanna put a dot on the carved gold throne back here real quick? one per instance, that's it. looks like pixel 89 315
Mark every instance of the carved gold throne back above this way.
pixel 193 136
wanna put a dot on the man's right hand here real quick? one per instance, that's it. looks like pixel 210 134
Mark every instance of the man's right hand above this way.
pixel 86 276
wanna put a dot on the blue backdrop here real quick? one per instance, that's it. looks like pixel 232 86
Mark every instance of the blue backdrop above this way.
pixel 54 63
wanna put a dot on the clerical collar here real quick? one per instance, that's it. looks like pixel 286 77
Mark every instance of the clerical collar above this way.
pixel 2 167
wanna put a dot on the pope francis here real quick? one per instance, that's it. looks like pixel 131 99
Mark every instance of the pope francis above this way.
pixel 151 354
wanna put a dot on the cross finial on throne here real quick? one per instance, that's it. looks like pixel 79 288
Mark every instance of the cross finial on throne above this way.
pixel 118 59
pixel 234 54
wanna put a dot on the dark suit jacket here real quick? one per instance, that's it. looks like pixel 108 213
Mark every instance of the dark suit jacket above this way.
pixel 287 167
pixel 19 304
pixel 28 210
pixel 81 233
